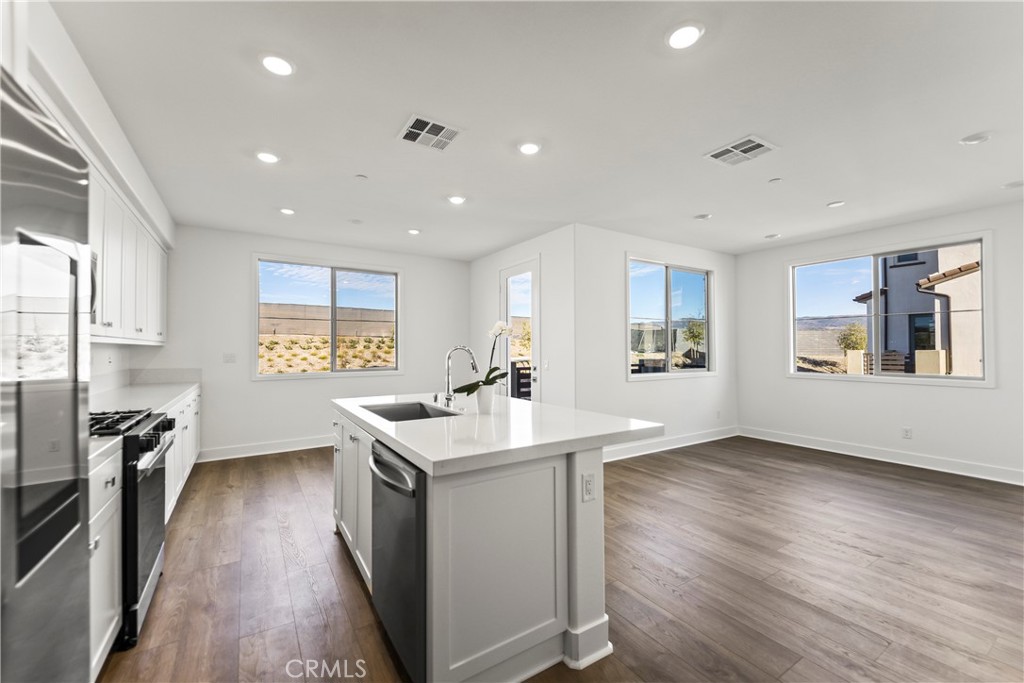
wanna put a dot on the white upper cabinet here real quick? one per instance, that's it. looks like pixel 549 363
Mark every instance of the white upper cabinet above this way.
pixel 131 272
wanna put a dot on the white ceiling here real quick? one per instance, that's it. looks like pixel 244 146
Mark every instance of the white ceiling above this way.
pixel 865 100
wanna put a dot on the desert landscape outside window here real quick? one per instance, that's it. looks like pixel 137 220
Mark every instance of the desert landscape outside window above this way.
pixel 316 319
pixel 924 316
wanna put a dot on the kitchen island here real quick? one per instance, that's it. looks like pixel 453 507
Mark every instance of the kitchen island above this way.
pixel 514 526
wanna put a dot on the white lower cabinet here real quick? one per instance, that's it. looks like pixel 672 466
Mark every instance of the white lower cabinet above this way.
pixel 105 596
pixel 182 454
pixel 353 493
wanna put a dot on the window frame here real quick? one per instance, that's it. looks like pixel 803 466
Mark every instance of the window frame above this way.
pixel 987 380
pixel 335 266
pixel 711 323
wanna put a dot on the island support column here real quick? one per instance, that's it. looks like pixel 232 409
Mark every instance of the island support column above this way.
pixel 586 639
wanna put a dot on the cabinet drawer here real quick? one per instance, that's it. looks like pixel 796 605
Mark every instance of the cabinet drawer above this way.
pixel 104 483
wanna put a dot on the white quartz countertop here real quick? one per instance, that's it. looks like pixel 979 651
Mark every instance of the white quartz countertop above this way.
pixel 157 397
pixel 101 448
pixel 516 431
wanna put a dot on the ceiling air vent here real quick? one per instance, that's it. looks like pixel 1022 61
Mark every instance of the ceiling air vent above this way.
pixel 428 133
pixel 743 150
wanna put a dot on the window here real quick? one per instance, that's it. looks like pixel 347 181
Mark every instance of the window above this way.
pixel 668 319
pixel 906 313
pixel 317 319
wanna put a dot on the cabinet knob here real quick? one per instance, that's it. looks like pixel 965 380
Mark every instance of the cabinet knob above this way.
pixel 94 545
pixel 110 483
pixel 334 423
pixel 159 334
pixel 353 437
pixel 337 450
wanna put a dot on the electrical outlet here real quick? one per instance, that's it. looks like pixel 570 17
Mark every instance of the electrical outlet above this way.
pixel 908 433
pixel 588 488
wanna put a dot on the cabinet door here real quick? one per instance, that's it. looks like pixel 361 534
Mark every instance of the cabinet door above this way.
pixel 157 290
pixel 196 421
pixel 112 266
pixel 129 260
pixel 339 436
pixel 97 204
pixel 349 483
pixel 142 246
pixel 104 582
pixel 364 514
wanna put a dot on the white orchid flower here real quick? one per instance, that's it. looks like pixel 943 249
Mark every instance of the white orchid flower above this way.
pixel 499 329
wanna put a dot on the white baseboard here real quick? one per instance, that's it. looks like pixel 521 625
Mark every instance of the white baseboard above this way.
pixel 264 448
pixel 928 462
pixel 631 450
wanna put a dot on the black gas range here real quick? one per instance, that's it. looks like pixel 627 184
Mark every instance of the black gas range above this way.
pixel 146 439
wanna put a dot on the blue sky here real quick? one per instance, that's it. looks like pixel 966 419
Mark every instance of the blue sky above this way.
pixel 290 283
pixel 520 295
pixel 647 292
pixel 829 288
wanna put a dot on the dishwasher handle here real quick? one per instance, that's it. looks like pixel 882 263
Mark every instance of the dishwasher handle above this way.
pixel 406 487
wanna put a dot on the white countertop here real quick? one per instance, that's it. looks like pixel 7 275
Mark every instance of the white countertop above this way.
pixel 516 431
pixel 101 448
pixel 157 397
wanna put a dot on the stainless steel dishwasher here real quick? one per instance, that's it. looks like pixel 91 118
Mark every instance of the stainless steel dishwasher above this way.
pixel 400 556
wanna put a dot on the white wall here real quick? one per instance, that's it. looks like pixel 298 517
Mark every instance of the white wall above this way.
pixel 557 379
pixel 47 62
pixel 693 408
pixel 110 365
pixel 212 311
pixel 973 431
pixel 584 340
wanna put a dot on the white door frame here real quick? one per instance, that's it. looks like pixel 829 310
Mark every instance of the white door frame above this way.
pixel 531 266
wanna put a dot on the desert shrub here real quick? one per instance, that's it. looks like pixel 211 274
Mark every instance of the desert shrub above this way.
pixel 367 340
pixel 260 356
pixel 304 358
pixel 366 346
pixel 304 370
pixel 280 355
pixel 853 337
pixel 323 356
pixel 325 368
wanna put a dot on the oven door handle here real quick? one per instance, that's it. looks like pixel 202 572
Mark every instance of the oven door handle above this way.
pixel 153 462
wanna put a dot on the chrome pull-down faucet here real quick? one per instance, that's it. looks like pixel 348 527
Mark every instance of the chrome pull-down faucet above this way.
pixel 448 395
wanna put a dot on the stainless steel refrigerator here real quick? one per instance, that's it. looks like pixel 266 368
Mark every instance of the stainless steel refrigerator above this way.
pixel 45 289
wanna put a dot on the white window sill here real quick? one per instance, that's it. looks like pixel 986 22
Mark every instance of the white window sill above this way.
pixel 656 376
pixel 979 383
pixel 327 375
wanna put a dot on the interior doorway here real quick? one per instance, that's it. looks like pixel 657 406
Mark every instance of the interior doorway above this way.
pixel 520 308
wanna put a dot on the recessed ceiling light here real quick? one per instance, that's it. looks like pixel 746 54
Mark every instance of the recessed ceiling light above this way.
pixel 83 181
pixel 413 231
pixel 835 205
pixel 278 66
pixel 355 221
pixel 456 199
pixel 361 176
pixel 268 158
pixel 773 181
pixel 288 212
pixel 685 36
pixel 773 236
pixel 529 148
pixel 703 216
pixel 975 139
pixel 1013 186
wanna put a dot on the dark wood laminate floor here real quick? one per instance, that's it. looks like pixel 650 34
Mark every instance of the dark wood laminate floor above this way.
pixel 728 561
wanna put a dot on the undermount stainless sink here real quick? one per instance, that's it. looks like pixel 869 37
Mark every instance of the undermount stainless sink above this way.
pixel 401 412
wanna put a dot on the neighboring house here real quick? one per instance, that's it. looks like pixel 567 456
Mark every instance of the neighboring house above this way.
pixel 931 309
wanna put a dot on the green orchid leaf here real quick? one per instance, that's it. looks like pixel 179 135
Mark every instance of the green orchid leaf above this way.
pixel 467 389
pixel 489 380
